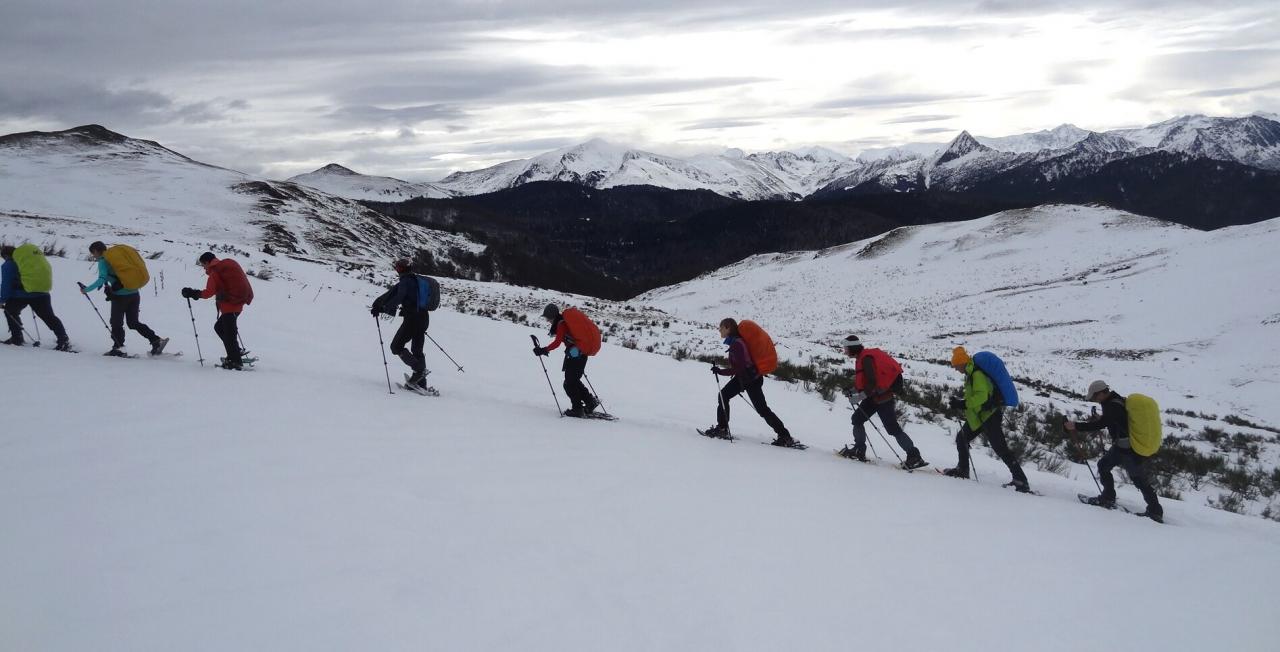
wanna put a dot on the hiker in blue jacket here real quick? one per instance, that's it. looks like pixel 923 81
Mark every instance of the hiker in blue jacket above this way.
pixel 407 296
pixel 125 305
pixel 13 298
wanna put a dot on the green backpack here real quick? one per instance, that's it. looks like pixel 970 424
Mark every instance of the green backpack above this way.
pixel 1145 432
pixel 33 269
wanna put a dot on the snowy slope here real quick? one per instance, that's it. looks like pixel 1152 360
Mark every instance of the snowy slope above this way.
pixel 158 505
pixel 98 178
pixel 1064 293
pixel 343 182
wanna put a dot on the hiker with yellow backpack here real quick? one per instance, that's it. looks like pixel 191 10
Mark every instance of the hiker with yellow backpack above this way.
pixel 752 356
pixel 1134 426
pixel 121 272
pixel 26 278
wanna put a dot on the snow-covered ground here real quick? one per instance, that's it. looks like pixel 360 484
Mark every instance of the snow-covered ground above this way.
pixel 152 504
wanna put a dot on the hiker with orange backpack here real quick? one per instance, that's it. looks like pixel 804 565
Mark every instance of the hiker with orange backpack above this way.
pixel 877 376
pixel 1115 420
pixel 122 293
pixel 747 376
pixel 230 285
pixel 581 339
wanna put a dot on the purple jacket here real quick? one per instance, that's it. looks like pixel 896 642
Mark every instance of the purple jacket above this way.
pixel 740 363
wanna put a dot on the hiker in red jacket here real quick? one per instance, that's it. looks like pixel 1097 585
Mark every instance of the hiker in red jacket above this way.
pixel 229 285
pixel 877 376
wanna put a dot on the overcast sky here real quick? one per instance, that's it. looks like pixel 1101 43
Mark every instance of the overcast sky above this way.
pixel 416 89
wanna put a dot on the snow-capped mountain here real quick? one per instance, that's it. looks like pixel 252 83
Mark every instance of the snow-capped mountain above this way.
pixel 1060 137
pixel 344 182
pixel 600 164
pixel 95 176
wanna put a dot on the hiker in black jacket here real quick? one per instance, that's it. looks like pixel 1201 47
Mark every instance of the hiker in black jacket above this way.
pixel 406 296
pixel 1115 419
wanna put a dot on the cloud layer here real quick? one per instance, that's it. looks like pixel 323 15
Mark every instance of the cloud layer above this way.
pixel 416 90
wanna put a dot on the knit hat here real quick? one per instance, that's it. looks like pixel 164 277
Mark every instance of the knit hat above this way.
pixel 851 343
pixel 959 357
pixel 1097 386
pixel 206 257
pixel 551 312
pixel 401 266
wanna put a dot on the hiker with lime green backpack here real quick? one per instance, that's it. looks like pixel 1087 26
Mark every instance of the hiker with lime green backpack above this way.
pixel 1134 425
pixel 122 271
pixel 26 278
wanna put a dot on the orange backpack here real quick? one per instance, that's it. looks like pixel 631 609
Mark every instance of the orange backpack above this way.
pixel 585 334
pixel 760 346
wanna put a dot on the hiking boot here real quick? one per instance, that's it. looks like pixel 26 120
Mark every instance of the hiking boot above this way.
pixel 717 431
pixel 854 453
pixel 956 472
pixel 1101 501
pixel 1158 517
pixel 158 344
pixel 416 380
pixel 783 440
pixel 575 411
pixel 62 345
pixel 14 340
pixel 914 461
pixel 590 405
pixel 1019 486
pixel 231 365
pixel 117 352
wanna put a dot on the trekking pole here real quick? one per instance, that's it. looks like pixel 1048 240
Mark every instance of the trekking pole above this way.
pixel 544 373
pixel 382 347
pixel 195 332
pixel 95 307
pixel 593 392
pixel 974 466
pixel 886 439
pixel 1087 465
pixel 446 353
pixel 35 319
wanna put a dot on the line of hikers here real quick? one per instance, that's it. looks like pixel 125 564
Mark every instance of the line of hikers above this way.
pixel 26 280
pixel 878 379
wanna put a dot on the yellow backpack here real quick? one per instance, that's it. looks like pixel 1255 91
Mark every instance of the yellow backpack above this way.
pixel 1145 433
pixel 127 265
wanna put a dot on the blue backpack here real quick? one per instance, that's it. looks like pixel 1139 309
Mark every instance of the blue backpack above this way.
pixel 993 367
pixel 428 293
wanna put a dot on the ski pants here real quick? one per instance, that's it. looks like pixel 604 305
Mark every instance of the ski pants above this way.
pixel 412 331
pixel 753 385
pixel 993 430
pixel 124 310
pixel 888 413
pixel 42 306
pixel 1135 466
pixel 229 332
pixel 574 368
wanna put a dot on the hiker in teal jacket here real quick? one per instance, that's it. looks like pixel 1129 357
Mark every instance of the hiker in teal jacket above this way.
pixel 983 413
pixel 125 305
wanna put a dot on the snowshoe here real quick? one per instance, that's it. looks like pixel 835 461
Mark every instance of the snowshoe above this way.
pixel 12 341
pixel 956 472
pixel 853 453
pixel 1020 487
pixel 64 345
pixel 717 432
pixel 787 442
pixel 914 461
pixel 1100 501
pixel 117 352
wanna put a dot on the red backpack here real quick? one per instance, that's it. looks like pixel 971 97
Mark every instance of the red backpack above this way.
pixel 233 284
pixel 887 370
pixel 585 334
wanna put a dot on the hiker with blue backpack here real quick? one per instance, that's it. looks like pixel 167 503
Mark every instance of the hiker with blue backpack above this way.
pixel 415 296
pixel 988 389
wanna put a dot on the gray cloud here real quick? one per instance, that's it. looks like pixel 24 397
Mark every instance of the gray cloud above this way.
pixel 933 130
pixel 917 118
pixel 727 123
pixel 409 115
pixel 1240 90
pixel 81 103
pixel 892 100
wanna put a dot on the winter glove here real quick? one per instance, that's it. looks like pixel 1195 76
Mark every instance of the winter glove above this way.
pixel 190 293
pixel 540 350
pixel 375 310
pixel 957 404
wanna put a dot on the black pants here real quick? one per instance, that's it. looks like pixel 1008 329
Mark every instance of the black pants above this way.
pixel 993 430
pixel 754 387
pixel 1135 466
pixel 124 309
pixel 43 307
pixel 573 369
pixel 412 331
pixel 888 413
pixel 229 333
